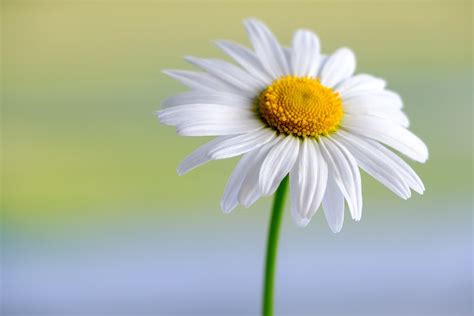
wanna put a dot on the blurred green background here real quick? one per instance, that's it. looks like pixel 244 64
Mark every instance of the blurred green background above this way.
pixel 89 181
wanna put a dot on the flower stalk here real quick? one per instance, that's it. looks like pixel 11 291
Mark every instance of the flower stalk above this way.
pixel 272 248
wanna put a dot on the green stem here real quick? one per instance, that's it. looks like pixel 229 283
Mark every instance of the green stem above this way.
pixel 272 247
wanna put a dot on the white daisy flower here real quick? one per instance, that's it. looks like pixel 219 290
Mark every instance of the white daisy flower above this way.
pixel 295 111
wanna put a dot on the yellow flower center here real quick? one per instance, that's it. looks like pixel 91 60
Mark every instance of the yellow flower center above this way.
pixel 301 106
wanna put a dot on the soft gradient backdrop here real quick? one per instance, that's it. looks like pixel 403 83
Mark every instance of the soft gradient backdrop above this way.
pixel 95 219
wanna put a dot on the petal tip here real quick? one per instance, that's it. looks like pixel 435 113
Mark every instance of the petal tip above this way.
pixel 191 59
pixel 336 230
pixel 302 222
pixel 420 192
pixel 226 208
pixel 251 19
pixel 168 72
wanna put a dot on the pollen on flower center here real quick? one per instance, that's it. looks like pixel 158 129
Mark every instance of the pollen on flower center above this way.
pixel 301 106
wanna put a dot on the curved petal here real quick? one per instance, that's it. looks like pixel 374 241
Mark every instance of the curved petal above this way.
pixel 388 133
pixel 268 50
pixel 382 104
pixel 381 98
pixel 287 51
pixel 296 192
pixel 200 81
pixel 321 180
pixel 208 97
pixel 303 181
pixel 242 186
pixel 307 183
pixel 204 128
pixel 278 163
pixel 333 205
pixel 229 73
pixel 305 54
pixel 242 143
pixel 375 164
pixel 396 165
pixel 339 66
pixel 322 61
pixel 247 59
pixel 395 116
pixel 403 168
pixel 182 114
pixel 249 191
pixel 209 119
pixel 199 156
pixel 346 172
pixel 360 83
pixel 229 200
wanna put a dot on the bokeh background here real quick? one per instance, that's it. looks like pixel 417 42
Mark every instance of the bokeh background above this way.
pixel 96 221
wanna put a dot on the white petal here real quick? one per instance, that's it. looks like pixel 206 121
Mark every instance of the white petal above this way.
pixel 215 129
pixel 388 133
pixel 305 54
pixel 382 104
pixel 304 181
pixel 333 205
pixel 247 59
pixel 346 173
pixel 322 61
pixel 398 117
pixel 360 83
pixel 377 98
pixel 278 164
pixel 199 156
pixel 201 81
pixel 321 180
pixel 395 116
pixel 249 190
pixel 208 97
pixel 402 169
pixel 296 191
pixel 409 174
pixel 229 73
pixel 356 197
pixel 242 143
pixel 209 119
pixel 339 66
pixel 230 198
pixel 268 50
pixel 374 163
pixel 182 114
pixel 287 52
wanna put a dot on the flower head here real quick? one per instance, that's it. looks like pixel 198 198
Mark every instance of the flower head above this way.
pixel 295 111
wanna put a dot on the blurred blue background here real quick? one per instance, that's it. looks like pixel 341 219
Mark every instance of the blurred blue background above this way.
pixel 96 221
